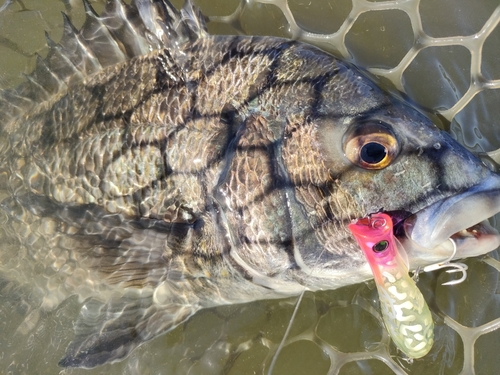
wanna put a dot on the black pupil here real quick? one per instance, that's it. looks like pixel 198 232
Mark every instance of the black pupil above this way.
pixel 373 153
pixel 380 246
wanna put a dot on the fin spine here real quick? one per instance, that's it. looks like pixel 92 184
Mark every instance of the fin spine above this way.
pixel 120 33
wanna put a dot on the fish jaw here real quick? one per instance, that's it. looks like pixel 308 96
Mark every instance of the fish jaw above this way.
pixel 461 217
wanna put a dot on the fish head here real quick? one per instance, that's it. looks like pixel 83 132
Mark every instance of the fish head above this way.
pixel 386 156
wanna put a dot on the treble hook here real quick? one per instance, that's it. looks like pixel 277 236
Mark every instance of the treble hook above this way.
pixel 458 267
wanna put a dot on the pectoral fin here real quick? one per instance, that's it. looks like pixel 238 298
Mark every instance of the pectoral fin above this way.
pixel 108 332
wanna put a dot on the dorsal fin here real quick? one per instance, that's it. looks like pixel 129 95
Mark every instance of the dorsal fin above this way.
pixel 120 33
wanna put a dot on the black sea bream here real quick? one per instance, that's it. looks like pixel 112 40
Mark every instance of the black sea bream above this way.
pixel 154 170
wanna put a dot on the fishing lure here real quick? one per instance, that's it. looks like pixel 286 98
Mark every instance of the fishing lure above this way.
pixel 404 310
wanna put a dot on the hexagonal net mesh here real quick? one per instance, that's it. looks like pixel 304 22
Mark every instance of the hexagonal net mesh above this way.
pixel 444 55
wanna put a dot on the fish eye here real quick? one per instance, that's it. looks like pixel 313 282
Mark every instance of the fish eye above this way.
pixel 380 246
pixel 373 153
pixel 371 145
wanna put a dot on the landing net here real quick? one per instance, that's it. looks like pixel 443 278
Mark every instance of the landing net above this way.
pixel 445 56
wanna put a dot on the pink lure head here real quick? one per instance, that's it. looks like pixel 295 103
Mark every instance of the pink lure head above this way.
pixel 375 237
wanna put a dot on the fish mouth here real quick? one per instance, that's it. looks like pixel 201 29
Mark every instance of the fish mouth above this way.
pixel 462 218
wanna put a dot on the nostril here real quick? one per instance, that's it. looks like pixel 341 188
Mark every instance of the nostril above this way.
pixel 491 160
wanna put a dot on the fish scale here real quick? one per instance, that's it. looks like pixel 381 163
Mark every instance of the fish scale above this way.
pixel 249 185
pixel 153 170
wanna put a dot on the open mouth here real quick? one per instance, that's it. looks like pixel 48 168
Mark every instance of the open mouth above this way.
pixel 475 232
pixel 463 218
pixel 476 240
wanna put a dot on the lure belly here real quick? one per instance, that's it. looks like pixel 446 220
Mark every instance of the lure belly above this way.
pixel 404 310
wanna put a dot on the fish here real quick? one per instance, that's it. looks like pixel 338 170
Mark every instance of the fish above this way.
pixel 150 170
pixel 405 312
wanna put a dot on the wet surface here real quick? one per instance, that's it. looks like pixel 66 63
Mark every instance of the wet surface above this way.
pixel 336 331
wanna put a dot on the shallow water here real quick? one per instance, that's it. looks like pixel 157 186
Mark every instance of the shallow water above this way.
pixel 337 331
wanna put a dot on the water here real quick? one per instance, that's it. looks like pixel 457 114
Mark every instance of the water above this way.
pixel 337 331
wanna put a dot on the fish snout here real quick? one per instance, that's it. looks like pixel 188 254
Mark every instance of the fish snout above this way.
pixel 462 217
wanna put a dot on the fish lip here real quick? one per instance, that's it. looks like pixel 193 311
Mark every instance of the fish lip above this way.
pixel 460 217
pixel 481 233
